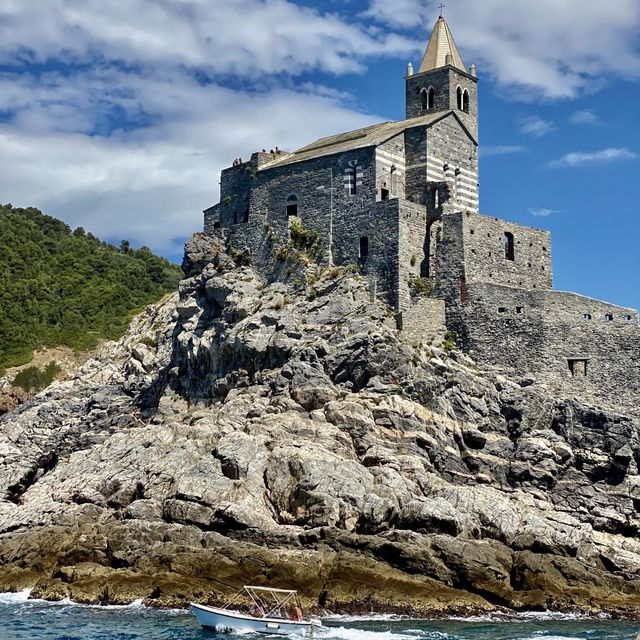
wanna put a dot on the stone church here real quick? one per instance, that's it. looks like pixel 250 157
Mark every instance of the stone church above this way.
pixel 401 200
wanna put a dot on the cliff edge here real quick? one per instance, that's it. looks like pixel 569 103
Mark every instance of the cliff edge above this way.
pixel 283 432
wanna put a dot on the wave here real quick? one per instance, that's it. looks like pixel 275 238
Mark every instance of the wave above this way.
pixel 15 597
pixel 347 633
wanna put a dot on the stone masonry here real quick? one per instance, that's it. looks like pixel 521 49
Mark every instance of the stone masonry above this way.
pixel 400 201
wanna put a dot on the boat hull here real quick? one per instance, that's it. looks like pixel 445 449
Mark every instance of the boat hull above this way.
pixel 225 620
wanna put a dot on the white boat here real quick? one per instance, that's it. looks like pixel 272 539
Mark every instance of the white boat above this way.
pixel 268 614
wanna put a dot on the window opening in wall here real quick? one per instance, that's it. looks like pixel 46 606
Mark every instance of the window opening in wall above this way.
pixel 431 98
pixel 509 246
pixel 608 317
pixel 587 316
pixel 627 318
pixel 465 101
pixel 578 368
pixel 364 247
pixel 393 182
pixel 472 231
pixel 384 193
pixel 436 198
pixel 459 98
pixel 246 215
pixel 425 99
pixel 502 309
pixel 292 206
pixel 519 309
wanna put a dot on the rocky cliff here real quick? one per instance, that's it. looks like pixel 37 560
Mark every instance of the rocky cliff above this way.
pixel 283 432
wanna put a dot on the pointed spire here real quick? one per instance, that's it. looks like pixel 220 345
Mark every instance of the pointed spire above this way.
pixel 441 46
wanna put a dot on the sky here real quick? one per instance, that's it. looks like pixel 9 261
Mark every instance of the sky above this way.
pixel 118 115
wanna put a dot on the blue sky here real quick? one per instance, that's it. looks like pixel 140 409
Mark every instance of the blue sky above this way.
pixel 119 116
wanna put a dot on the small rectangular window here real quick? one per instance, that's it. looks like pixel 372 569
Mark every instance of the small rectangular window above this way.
pixel 509 246
pixel 578 368
pixel 627 318
pixel 364 247
pixel 587 316
pixel 519 309
pixel 502 309
pixel 608 317
pixel 384 194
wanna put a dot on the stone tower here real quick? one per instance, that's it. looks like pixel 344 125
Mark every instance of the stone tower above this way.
pixel 443 82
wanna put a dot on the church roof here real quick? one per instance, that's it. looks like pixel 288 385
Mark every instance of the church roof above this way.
pixel 358 139
pixel 441 45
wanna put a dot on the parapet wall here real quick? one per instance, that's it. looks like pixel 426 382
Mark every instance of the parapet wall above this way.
pixel 485 238
pixel 574 344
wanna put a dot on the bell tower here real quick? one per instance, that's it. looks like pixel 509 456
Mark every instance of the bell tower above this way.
pixel 442 82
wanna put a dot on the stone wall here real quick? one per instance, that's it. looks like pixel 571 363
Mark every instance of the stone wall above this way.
pixel 546 334
pixel 390 168
pixel 423 321
pixel 484 257
pixel 235 192
pixel 211 218
pixel 415 141
pixel 412 223
pixel 326 207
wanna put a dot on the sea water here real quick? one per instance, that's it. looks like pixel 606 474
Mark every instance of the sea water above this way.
pixel 24 619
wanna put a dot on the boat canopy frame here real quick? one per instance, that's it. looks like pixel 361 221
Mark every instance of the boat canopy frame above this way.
pixel 271 603
pixel 282 598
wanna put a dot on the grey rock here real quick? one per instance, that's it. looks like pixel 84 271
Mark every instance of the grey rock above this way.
pixel 274 421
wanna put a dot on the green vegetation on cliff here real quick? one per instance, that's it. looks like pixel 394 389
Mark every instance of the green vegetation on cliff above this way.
pixel 64 287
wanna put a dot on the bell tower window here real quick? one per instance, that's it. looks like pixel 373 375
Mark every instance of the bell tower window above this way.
pixel 425 99
pixel 459 98
pixel 465 101
pixel 431 98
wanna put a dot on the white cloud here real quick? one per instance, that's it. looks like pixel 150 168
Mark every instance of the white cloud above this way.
pixel 544 212
pixel 577 158
pixel 155 69
pixel 536 126
pixel 543 48
pixel 148 184
pixel 586 116
pixel 500 150
pixel 242 37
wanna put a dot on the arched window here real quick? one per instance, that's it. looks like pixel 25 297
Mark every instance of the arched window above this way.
pixel 465 101
pixel 431 98
pixel 459 96
pixel 509 246
pixel 292 205
pixel 425 99
pixel 393 182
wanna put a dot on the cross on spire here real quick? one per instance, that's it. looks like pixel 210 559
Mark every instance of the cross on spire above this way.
pixel 441 7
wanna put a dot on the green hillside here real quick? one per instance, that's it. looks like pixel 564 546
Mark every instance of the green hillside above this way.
pixel 64 287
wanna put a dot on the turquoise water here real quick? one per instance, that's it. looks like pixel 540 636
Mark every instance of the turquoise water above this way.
pixel 22 619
